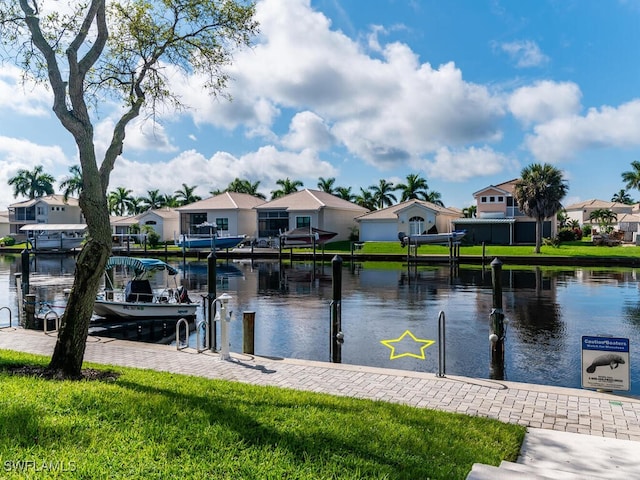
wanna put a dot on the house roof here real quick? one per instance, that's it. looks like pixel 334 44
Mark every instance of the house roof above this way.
pixel 224 201
pixel 391 213
pixel 49 200
pixel 628 218
pixel 165 212
pixel 310 200
pixel 507 187
pixel 597 204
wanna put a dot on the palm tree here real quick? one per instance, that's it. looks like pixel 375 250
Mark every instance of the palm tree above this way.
pixel 434 197
pixel 135 206
pixel 170 201
pixel 119 201
pixel 187 195
pixel 73 184
pixel 604 217
pixel 326 184
pixel 470 211
pixel 345 193
pixel 287 186
pixel 381 194
pixel 539 192
pixel 622 197
pixel 32 183
pixel 153 200
pixel 632 178
pixel 245 186
pixel 365 199
pixel 416 187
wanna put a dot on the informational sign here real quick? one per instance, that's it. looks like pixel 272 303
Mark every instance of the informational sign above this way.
pixel 605 363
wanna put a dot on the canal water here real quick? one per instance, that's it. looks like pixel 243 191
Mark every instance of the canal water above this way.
pixel 548 311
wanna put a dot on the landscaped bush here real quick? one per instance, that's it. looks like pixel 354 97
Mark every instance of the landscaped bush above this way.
pixel 8 241
pixel 569 234
pixel 586 230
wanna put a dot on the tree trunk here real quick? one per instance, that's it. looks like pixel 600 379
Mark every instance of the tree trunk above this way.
pixel 538 234
pixel 69 350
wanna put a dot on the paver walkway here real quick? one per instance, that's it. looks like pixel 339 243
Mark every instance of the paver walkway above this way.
pixel 537 406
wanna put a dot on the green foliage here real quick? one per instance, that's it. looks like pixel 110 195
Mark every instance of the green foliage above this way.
pixel 586 230
pixel 8 241
pixel 145 424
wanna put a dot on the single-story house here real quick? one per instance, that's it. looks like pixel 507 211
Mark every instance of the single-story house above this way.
pixel 581 211
pixel 164 221
pixel 232 213
pixel 51 209
pixel 411 217
pixel 308 209
pixel 498 219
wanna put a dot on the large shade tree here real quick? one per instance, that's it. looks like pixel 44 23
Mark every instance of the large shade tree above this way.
pixel 539 193
pixel 32 183
pixel 94 50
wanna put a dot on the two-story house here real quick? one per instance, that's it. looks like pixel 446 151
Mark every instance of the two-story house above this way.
pixel 498 219
pixel 52 209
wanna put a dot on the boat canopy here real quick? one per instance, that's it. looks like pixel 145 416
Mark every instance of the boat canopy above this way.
pixel 48 227
pixel 141 265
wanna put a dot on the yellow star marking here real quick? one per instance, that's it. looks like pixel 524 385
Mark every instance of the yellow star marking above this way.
pixel 425 344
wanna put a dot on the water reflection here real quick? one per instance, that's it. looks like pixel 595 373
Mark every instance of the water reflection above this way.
pixel 548 310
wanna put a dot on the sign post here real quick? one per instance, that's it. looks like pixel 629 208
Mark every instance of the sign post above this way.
pixel 605 363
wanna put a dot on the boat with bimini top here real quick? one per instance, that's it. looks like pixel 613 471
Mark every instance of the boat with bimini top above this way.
pixel 138 300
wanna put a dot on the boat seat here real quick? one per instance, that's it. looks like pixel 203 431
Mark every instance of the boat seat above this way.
pixel 138 291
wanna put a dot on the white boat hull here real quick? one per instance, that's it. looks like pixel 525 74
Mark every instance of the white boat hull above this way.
pixel 433 238
pixel 139 310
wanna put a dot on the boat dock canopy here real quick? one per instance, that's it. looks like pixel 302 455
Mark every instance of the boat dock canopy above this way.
pixel 140 265
pixel 54 227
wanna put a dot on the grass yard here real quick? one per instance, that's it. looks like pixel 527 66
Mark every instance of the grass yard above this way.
pixel 145 424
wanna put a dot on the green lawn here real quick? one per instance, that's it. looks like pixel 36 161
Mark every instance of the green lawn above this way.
pixel 145 424
pixel 583 248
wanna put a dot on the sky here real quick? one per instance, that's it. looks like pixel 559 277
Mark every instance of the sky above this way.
pixel 465 93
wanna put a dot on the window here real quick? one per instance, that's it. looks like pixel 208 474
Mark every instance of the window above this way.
pixel 40 210
pixel 193 220
pixel 150 222
pixel 492 199
pixel 222 224
pixel 303 222
pixel 501 199
pixel 483 199
pixel 271 224
pixel 416 226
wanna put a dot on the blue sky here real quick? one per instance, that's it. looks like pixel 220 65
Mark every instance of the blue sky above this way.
pixel 463 92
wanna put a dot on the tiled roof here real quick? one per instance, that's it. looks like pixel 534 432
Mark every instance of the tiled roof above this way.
pixel 310 200
pixel 597 204
pixel 224 201
pixel 49 200
pixel 391 213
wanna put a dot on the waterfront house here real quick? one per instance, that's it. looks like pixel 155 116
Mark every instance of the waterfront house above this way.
pixel 4 223
pixel 411 217
pixel 582 211
pixel 499 221
pixel 164 221
pixel 308 209
pixel 232 213
pixel 52 209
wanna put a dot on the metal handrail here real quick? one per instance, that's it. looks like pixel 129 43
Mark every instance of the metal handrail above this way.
pixel 441 345
pixel 182 321
pixel 9 310
pixel 46 317
pixel 203 325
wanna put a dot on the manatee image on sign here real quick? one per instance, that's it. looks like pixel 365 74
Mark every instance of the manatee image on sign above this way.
pixel 610 359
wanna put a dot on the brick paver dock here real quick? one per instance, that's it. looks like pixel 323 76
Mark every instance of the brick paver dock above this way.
pixel 537 406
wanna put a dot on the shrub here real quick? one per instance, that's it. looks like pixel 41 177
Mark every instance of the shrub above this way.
pixel 569 234
pixel 153 238
pixel 8 241
pixel 586 230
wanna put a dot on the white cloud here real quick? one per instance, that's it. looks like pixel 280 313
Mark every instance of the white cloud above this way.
pixel 462 165
pixel 385 110
pixel 564 138
pixel 307 130
pixel 545 101
pixel 23 98
pixel 192 168
pixel 525 53
pixel 17 154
